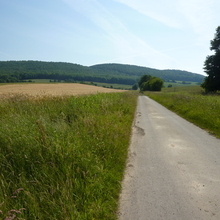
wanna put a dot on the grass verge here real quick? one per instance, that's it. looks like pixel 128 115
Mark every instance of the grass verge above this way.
pixel 63 157
pixel 191 104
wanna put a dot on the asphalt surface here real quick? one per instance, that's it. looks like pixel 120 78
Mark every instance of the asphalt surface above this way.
pixel 173 168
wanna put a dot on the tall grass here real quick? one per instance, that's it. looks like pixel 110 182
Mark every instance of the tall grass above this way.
pixel 63 157
pixel 192 104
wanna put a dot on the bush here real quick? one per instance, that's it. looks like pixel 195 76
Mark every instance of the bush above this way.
pixel 149 83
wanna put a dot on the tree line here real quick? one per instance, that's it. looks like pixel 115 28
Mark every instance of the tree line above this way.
pixel 17 71
pixel 165 75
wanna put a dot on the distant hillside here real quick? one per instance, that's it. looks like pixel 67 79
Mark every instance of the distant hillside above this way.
pixel 132 70
pixel 15 71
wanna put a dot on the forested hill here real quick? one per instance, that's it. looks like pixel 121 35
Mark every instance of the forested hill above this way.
pixel 130 70
pixel 15 71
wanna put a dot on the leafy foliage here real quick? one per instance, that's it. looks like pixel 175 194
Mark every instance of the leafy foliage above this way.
pixel 212 66
pixel 135 86
pixel 16 71
pixel 137 71
pixel 143 79
pixel 155 84
pixel 149 83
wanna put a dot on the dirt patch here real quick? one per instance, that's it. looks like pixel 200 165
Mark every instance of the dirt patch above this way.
pixel 53 89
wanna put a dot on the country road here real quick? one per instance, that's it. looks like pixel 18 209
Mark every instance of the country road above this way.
pixel 173 168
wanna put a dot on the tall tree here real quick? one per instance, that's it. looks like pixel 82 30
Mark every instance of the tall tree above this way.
pixel 212 65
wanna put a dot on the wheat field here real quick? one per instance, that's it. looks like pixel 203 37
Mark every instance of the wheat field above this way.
pixel 53 89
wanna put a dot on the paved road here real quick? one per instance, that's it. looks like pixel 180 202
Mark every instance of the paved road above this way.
pixel 173 170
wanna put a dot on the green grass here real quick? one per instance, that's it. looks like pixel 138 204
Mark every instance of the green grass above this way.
pixel 192 104
pixel 180 84
pixel 40 80
pixel 190 88
pixel 63 157
pixel 112 85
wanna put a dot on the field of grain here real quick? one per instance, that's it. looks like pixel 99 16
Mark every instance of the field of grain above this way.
pixel 53 89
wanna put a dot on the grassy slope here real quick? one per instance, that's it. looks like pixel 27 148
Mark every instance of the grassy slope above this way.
pixel 63 157
pixel 190 103
pixel 179 84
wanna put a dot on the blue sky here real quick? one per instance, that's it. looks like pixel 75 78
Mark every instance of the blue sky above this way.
pixel 161 34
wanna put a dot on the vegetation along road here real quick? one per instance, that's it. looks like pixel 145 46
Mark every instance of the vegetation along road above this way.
pixel 172 170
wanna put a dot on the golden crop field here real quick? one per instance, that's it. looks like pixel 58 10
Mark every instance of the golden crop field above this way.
pixel 53 89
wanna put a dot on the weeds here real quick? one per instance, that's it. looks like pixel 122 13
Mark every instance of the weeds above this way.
pixel 67 154
pixel 13 213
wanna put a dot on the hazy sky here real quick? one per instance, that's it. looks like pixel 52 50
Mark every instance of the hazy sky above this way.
pixel 162 34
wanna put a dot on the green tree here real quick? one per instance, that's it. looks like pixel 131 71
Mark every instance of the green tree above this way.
pixel 145 86
pixel 135 86
pixel 212 65
pixel 150 83
pixel 142 82
pixel 155 84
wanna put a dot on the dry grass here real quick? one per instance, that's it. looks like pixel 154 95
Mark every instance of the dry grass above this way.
pixel 53 89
